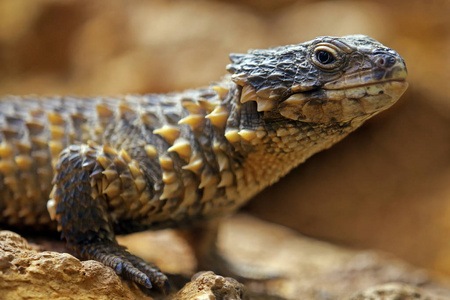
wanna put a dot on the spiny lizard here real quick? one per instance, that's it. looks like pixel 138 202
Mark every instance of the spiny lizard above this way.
pixel 136 162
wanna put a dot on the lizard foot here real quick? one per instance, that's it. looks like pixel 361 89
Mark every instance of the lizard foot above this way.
pixel 127 265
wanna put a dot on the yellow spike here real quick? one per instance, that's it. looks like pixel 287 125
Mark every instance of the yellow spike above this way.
pixel 6 150
pixel 208 179
pixel 120 163
pixel 296 99
pixel 125 156
pixel 223 161
pixel 34 127
pixel 227 179
pixel 209 106
pixel 216 144
pixel 23 148
pixel 92 145
pixel 248 94
pixel 24 162
pixel 51 208
pixel 182 147
pixel 145 198
pixel 240 79
pixel 171 191
pixel 265 104
pixel 55 119
pixel 232 136
pixel 134 168
pixel 7 166
pixel 218 116
pixel 168 132
pixel 103 111
pixel 52 193
pixel 190 195
pixel 99 129
pixel 140 183
pixel 166 162
pixel 194 166
pixel 110 174
pixel 169 177
pixel 220 90
pixel 57 132
pixel 194 121
pixel 247 134
pixel 113 189
pixel 55 148
pixel 146 118
pixel 95 190
pixel 109 150
pixel 193 107
pixel 125 109
pixel 151 151
pixel 104 161
pixel 100 184
pixel 265 93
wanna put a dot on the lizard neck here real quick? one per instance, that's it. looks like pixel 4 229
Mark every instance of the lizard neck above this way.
pixel 270 144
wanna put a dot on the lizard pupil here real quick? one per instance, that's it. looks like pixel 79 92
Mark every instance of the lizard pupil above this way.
pixel 325 57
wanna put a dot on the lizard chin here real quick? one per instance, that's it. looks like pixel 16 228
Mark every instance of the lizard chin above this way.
pixel 344 104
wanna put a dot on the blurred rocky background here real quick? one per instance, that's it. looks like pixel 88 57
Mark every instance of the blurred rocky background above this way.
pixel 385 187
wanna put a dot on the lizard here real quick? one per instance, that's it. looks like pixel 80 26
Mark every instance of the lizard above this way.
pixel 116 165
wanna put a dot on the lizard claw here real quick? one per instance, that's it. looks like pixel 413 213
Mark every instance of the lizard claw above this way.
pixel 128 265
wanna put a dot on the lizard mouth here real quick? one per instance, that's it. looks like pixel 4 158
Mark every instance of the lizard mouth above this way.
pixel 343 102
pixel 368 77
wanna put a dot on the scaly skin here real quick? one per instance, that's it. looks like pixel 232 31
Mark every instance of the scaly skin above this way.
pixel 139 162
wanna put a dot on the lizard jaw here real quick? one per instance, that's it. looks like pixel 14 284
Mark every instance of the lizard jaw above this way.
pixel 344 104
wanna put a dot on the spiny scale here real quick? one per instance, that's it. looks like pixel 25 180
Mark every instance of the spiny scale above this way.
pixel 30 150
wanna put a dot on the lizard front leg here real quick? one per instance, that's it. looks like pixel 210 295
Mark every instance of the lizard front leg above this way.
pixel 87 181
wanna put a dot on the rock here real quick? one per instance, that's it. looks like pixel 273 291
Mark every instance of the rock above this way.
pixel 293 266
pixel 394 291
pixel 272 261
pixel 29 274
pixel 209 286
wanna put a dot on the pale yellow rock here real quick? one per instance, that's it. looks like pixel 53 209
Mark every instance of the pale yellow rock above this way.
pixel 29 274
pixel 209 286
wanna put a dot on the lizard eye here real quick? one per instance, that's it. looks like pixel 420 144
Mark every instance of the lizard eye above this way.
pixel 325 57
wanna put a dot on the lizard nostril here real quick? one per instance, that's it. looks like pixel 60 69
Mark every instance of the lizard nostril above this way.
pixel 384 60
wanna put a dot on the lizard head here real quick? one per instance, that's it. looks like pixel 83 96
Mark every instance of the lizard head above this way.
pixel 326 80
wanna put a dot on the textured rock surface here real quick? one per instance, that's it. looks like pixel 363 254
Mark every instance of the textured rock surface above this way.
pixel 303 268
pixel 29 274
pixel 282 263
pixel 209 286
pixel 395 292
